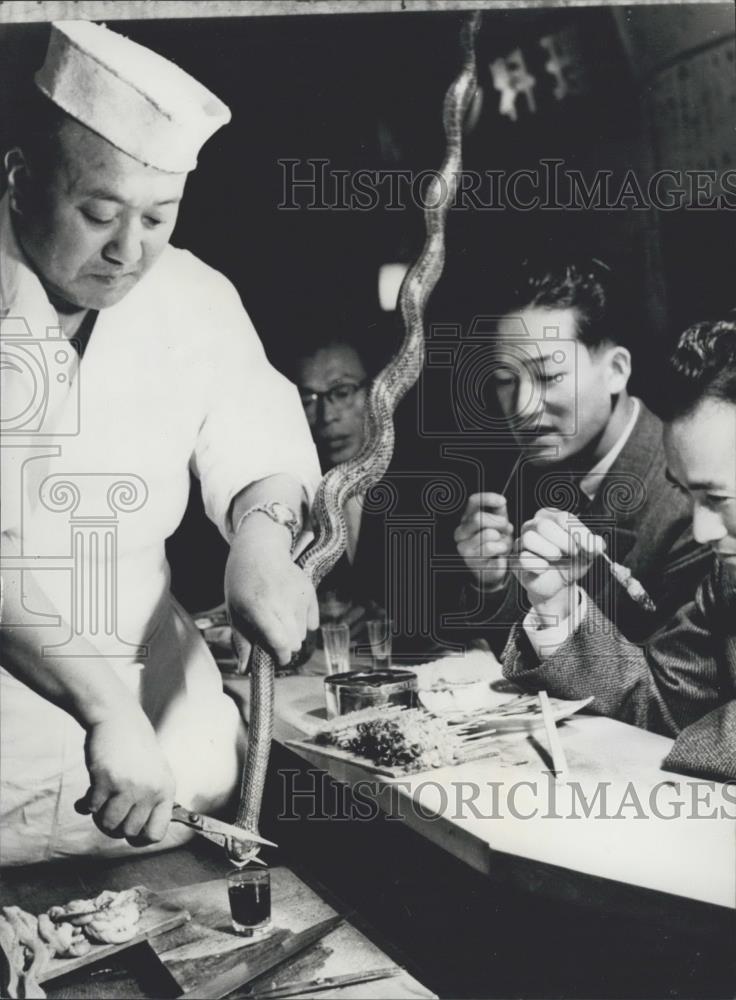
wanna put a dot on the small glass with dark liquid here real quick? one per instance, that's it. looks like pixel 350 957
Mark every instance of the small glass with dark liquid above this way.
pixel 250 902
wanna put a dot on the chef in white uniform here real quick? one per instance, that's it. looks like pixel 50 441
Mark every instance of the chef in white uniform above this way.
pixel 125 362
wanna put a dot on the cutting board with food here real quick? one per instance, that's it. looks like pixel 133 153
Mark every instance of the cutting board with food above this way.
pixel 36 948
pixel 397 742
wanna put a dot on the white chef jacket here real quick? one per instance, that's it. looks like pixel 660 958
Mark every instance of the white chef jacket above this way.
pixel 95 458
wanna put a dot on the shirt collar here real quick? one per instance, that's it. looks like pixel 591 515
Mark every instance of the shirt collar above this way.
pixel 591 482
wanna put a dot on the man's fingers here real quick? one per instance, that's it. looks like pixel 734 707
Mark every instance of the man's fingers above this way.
pixel 495 501
pixel 94 798
pixel 535 542
pixel 278 615
pixel 158 822
pixel 568 533
pixel 268 630
pixel 486 545
pixel 480 521
pixel 492 550
pixel 562 517
pixel 135 821
pixel 82 806
pixel 561 537
pixel 532 563
pixel 279 638
pixel 111 818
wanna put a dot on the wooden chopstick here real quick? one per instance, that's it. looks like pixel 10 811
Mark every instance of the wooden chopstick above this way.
pixel 559 763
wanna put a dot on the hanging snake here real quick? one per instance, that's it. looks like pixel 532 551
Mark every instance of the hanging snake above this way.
pixel 355 476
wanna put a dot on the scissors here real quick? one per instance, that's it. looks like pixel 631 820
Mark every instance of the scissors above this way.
pixel 214 829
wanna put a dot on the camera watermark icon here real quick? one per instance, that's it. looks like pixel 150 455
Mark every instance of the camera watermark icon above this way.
pixel 40 381
pixel 496 379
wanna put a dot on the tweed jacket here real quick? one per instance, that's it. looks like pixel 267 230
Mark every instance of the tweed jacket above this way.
pixel 682 683
pixel 646 524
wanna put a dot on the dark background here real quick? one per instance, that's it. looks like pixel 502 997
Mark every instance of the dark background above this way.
pixel 365 91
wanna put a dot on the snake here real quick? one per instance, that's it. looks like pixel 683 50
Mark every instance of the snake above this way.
pixel 354 476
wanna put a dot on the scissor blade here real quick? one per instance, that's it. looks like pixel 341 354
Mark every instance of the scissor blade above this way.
pixel 215 829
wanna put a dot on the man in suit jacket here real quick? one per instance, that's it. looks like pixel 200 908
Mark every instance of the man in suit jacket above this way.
pixel 560 372
pixel 683 682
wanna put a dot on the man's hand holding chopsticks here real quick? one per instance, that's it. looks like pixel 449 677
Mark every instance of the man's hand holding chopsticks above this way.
pixel 485 538
pixel 555 551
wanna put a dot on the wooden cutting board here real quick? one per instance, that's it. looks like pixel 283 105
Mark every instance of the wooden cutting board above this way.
pixel 207 944
pixel 160 915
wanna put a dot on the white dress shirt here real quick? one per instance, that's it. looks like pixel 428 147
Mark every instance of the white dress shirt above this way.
pixel 95 462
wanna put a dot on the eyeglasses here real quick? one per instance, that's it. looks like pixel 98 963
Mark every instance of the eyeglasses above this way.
pixel 340 396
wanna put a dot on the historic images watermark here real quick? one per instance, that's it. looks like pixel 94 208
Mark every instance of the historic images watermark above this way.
pixel 312 795
pixel 315 184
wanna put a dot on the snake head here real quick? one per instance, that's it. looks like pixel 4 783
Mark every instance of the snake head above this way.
pixel 241 854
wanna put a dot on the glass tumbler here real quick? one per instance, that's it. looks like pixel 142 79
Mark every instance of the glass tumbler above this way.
pixel 249 890
pixel 336 641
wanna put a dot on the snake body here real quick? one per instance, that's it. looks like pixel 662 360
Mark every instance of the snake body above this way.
pixel 355 476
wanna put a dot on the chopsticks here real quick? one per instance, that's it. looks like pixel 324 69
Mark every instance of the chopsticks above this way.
pixel 325 983
pixel 630 584
pixel 559 762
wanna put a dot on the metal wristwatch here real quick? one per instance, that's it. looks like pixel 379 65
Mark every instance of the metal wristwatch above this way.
pixel 279 512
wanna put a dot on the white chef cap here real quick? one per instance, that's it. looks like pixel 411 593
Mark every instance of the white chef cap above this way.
pixel 140 102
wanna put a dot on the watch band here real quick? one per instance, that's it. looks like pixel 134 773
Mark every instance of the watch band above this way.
pixel 280 513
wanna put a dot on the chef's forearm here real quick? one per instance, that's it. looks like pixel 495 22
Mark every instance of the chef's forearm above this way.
pixel 83 685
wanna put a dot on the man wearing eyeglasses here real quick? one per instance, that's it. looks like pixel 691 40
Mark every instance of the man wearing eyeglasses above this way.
pixel 333 387
pixel 333 384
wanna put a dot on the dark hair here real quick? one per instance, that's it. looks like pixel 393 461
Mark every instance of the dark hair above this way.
pixel 38 133
pixel 312 345
pixel 703 366
pixel 587 285
pixel 374 339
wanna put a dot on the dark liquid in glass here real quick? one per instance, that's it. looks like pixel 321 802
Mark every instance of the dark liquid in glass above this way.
pixel 250 904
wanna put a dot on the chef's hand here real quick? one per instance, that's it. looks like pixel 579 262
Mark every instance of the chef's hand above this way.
pixel 555 551
pixel 485 538
pixel 131 785
pixel 270 599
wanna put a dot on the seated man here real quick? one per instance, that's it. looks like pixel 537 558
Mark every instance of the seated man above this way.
pixel 379 572
pixel 682 683
pixel 111 706
pixel 333 384
pixel 560 371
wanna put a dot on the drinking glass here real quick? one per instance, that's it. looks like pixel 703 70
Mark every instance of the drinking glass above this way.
pixel 336 640
pixel 249 890
pixel 379 636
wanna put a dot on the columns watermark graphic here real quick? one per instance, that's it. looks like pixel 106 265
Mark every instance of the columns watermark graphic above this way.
pixel 42 414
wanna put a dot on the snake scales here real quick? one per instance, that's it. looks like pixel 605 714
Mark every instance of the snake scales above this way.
pixel 370 464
